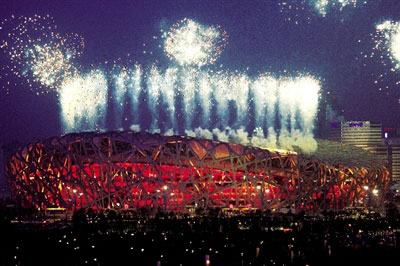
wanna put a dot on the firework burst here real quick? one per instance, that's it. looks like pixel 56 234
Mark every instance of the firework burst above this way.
pixel 385 54
pixel 301 11
pixel 37 52
pixel 388 41
pixel 323 7
pixel 190 43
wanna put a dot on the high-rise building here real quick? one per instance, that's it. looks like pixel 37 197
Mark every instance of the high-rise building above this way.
pixel 364 134
pixel 394 158
pixel 370 135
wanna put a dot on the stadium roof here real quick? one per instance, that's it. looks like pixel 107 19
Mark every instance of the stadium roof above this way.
pixel 329 152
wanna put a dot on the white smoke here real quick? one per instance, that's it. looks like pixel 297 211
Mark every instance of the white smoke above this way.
pixel 169 132
pixel 135 127
pixel 190 133
pixel 239 136
pixel 220 134
pixel 258 138
pixel 271 141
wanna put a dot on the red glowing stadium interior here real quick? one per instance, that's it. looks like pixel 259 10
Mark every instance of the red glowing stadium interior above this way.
pixel 175 197
pixel 127 170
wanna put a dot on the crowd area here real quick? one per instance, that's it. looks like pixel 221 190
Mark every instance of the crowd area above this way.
pixel 218 238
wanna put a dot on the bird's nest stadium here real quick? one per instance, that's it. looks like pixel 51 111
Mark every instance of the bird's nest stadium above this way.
pixel 130 170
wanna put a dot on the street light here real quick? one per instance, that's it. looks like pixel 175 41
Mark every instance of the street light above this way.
pixel 165 187
pixel 207 260
pixel 74 191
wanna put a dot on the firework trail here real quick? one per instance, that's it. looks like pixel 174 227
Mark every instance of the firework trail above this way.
pixel 119 95
pixel 169 84
pixel 265 99
pixel 204 95
pixel 287 112
pixel 187 90
pixel 307 96
pixel 220 86
pixel 153 94
pixel 240 87
pixel 134 89
pixel 83 101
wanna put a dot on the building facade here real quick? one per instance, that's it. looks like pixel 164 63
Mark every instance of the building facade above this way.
pixel 370 136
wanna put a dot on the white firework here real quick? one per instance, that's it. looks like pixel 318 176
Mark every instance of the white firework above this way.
pixel 389 31
pixel 83 101
pixel 323 7
pixel 190 43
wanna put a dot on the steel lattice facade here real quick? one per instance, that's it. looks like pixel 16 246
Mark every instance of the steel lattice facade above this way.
pixel 128 170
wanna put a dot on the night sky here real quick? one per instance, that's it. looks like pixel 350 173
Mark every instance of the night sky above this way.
pixel 279 37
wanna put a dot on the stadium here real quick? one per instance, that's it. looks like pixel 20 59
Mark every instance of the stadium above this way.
pixel 130 171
